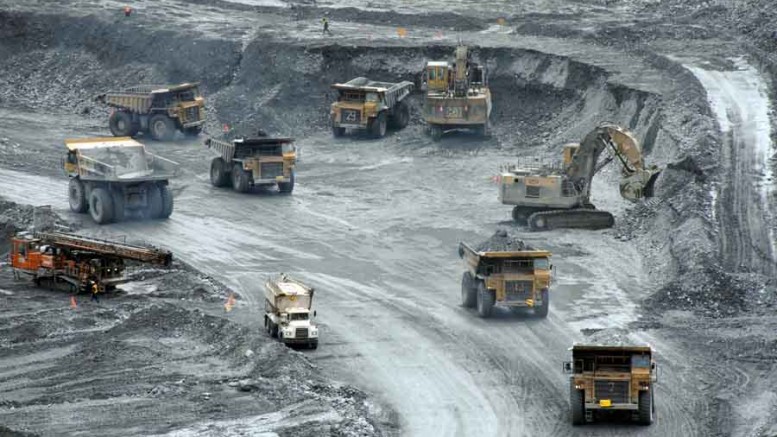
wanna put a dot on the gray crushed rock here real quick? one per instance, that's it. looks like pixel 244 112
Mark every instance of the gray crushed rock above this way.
pixel 501 241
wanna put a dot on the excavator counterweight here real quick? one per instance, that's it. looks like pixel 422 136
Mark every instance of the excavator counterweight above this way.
pixel 550 197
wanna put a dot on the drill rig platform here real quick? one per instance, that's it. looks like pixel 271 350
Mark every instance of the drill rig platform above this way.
pixel 76 262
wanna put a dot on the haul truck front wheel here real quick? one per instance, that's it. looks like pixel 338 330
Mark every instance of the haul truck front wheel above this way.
pixel 485 300
pixel 101 205
pixel 576 405
pixel 468 291
pixel 646 407
pixel 161 127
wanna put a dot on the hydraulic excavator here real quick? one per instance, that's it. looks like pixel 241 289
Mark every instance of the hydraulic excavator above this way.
pixel 457 95
pixel 558 196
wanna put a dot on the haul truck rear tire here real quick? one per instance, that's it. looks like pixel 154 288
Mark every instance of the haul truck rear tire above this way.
pixel 401 116
pixel 645 407
pixel 77 196
pixel 468 291
pixel 576 405
pixel 101 206
pixel 118 205
pixel 120 124
pixel 337 131
pixel 485 300
pixel 155 205
pixel 219 173
pixel 167 201
pixel 161 127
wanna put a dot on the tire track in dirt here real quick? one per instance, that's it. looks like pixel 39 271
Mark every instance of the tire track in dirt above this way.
pixel 740 102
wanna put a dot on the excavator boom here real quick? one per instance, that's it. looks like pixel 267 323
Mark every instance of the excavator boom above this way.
pixel 636 180
pixel 104 247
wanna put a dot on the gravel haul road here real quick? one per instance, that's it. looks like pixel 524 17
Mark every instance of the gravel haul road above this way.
pixel 374 224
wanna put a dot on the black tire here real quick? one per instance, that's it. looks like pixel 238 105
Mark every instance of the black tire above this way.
pixel 576 405
pixel 521 215
pixel 436 132
pixel 542 310
pixel 485 300
pixel 401 116
pixel 219 173
pixel 155 202
pixel 337 131
pixel 468 291
pixel 77 196
pixel 118 205
pixel 273 329
pixel 120 124
pixel 378 126
pixel 484 131
pixel 645 411
pixel 240 181
pixel 314 345
pixel 101 206
pixel 537 223
pixel 192 131
pixel 161 127
pixel 167 201
pixel 287 187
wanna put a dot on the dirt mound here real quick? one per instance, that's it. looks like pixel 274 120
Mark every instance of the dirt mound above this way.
pixel 501 241
pixel 17 218
pixel 154 365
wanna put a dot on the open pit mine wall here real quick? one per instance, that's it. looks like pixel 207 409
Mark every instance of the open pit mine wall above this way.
pixel 284 87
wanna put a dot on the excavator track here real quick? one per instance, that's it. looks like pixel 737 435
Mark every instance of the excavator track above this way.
pixel 582 218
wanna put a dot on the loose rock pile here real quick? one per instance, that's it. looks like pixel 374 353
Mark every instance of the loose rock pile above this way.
pixel 501 241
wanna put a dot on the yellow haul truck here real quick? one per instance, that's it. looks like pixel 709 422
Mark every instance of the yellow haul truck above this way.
pixel 367 104
pixel 611 378
pixel 247 162
pixel 512 279
pixel 112 177
pixel 158 110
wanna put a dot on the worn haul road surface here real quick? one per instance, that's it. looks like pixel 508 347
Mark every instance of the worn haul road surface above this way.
pixel 740 100
pixel 375 228
pixel 374 225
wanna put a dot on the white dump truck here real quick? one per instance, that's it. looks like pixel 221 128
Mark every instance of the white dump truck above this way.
pixel 287 314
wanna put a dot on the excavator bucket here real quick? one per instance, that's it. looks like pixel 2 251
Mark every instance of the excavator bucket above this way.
pixel 640 184
pixel 650 185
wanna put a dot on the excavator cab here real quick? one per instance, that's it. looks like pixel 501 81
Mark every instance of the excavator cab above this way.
pixel 569 151
pixel 437 76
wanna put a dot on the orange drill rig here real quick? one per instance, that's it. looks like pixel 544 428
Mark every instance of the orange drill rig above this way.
pixel 78 263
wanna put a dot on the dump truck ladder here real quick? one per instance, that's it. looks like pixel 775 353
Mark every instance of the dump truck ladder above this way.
pixel 104 247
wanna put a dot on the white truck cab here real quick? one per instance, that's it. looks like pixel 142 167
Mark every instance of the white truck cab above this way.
pixel 288 314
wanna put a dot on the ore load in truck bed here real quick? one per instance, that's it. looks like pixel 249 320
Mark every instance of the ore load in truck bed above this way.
pixel 501 241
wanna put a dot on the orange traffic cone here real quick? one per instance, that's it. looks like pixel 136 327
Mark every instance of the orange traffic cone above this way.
pixel 73 303
pixel 230 302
